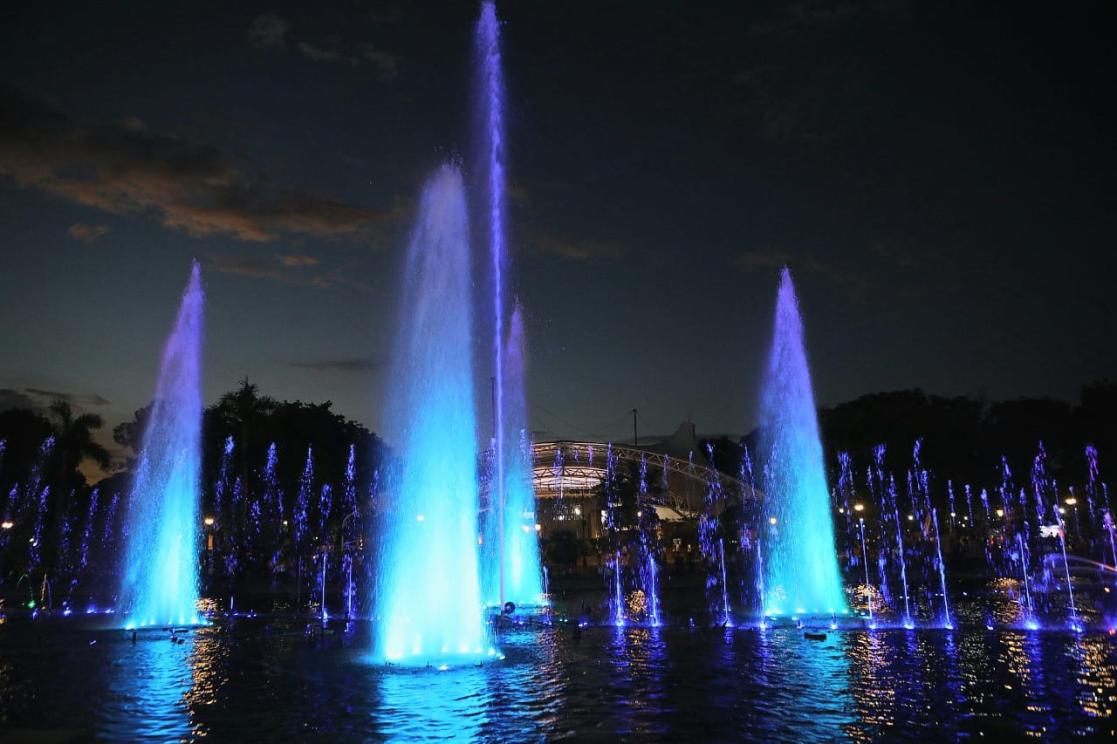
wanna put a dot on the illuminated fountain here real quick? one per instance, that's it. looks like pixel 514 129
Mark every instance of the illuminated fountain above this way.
pixel 159 583
pixel 523 576
pixel 427 593
pixel 510 565
pixel 800 557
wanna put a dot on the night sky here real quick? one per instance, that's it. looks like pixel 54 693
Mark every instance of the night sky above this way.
pixel 939 176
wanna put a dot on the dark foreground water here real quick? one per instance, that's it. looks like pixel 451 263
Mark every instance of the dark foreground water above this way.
pixel 260 681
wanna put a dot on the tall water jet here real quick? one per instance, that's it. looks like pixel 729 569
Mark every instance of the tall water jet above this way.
pixel 427 592
pixel 523 576
pixel 489 104
pixel 802 564
pixel 159 583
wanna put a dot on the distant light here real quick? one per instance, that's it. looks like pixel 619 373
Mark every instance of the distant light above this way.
pixel 420 518
pixel 639 514
pixel 1000 512
pixel 7 525
pixel 841 510
pixel 538 527
pixel 208 521
pixel 284 522
pixel 859 507
pixel 1071 501
pixel 771 520
pixel 952 515
pixel 1062 510
pixel 577 511
pixel 911 517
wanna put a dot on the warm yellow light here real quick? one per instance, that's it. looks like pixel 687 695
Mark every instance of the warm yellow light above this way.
pixel 859 507
pixel 841 510
pixel 1000 512
pixel 1071 501
pixel 771 520
pixel 538 527
pixel 208 521
pixel 577 511
pixel 7 524
pixel 911 517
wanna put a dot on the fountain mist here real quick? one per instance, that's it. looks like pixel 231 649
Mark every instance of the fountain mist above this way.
pixel 160 573
pixel 428 598
pixel 802 561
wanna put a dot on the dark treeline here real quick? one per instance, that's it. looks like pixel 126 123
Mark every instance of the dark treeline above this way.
pixel 963 438
pixel 42 450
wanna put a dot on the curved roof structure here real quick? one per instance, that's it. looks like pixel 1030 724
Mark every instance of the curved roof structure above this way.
pixel 569 469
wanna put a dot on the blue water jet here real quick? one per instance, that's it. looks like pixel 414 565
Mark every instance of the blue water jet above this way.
pixel 427 592
pixel 802 566
pixel 159 583
pixel 523 575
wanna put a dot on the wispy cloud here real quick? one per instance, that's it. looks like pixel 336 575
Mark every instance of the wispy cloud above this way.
pixel 320 54
pixel 191 187
pixel 856 281
pixel 353 364
pixel 39 397
pixel 87 233
pixel 268 30
pixel 272 31
pixel 279 268
pixel 573 249
pixel 295 269
pixel 295 260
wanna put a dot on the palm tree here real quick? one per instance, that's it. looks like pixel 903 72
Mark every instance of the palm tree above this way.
pixel 74 444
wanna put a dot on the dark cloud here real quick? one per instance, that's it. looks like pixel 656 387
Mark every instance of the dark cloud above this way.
pixel 191 187
pixel 268 30
pixel 355 364
pixel 87 233
pixel 10 399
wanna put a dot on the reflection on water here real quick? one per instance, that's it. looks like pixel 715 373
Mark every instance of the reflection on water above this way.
pixel 146 689
pixel 435 704
pixel 260 681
